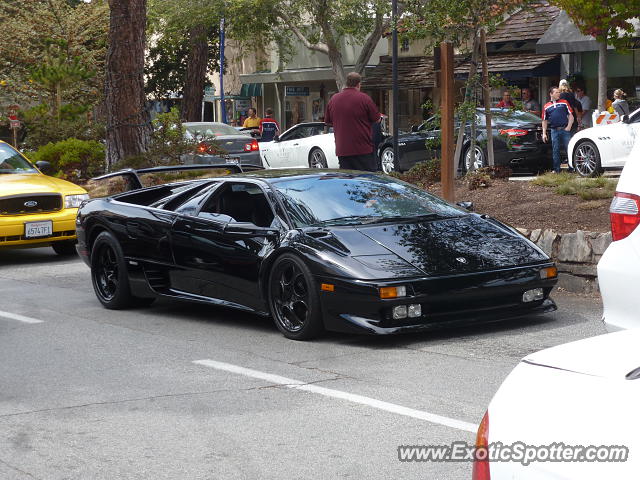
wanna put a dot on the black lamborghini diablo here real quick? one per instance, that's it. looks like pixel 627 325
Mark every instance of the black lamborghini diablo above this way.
pixel 315 249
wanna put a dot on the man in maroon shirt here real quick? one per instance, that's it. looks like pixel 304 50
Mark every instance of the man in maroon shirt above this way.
pixel 352 113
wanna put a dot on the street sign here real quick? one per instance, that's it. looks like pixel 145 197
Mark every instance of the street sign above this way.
pixel 296 91
pixel 14 123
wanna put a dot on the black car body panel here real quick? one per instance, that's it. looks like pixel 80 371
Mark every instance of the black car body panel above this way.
pixel 517 142
pixel 461 267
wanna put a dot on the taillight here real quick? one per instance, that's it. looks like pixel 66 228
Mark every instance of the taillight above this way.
pixel 203 147
pixel 625 215
pixel 481 461
pixel 514 132
pixel 252 147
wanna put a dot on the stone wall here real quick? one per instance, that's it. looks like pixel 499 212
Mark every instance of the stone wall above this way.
pixel 576 255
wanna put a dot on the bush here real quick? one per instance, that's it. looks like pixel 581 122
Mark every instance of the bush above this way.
pixel 477 179
pixel 42 127
pixel 73 159
pixel 423 174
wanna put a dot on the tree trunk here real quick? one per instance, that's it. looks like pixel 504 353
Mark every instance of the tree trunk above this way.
pixel 458 156
pixel 335 57
pixel 602 75
pixel 487 97
pixel 196 74
pixel 128 121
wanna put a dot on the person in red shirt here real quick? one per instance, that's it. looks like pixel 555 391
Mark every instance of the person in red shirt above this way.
pixel 352 114
pixel 506 101
pixel 269 127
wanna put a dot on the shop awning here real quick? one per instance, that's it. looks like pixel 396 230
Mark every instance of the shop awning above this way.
pixel 516 65
pixel 251 90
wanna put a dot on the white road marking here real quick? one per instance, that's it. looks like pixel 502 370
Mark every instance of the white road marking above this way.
pixel 19 318
pixel 350 397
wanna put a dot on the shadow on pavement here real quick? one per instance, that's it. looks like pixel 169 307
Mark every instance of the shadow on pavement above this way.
pixel 27 256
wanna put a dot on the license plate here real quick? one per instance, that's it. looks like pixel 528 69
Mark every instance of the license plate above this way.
pixel 232 160
pixel 38 229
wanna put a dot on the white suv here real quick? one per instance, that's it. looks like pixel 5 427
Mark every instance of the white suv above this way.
pixel 619 267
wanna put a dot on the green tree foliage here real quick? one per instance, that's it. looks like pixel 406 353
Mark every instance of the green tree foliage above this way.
pixel 73 159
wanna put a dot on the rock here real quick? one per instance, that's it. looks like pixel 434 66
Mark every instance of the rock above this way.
pixel 600 243
pixel 523 231
pixel 582 269
pixel 548 242
pixel 574 247
pixel 535 235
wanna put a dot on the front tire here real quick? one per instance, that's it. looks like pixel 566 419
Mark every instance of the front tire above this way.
pixel 317 159
pixel 66 248
pixel 586 159
pixel 293 298
pixel 109 273
pixel 387 161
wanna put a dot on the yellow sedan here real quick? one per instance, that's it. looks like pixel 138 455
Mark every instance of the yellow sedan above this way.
pixel 36 210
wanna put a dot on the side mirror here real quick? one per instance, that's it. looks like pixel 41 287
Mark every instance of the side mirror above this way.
pixel 248 229
pixel 466 205
pixel 44 167
pixel 415 128
pixel 624 119
pixel 276 138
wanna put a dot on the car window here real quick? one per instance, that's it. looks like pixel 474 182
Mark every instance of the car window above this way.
pixel 12 162
pixel 318 200
pixel 290 134
pixel 209 130
pixel 240 202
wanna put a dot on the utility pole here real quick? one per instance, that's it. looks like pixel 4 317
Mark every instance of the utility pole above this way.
pixel 446 81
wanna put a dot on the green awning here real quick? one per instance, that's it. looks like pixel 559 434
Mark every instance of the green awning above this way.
pixel 251 90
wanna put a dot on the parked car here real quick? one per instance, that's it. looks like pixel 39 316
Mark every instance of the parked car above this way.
pixel 215 139
pixel 36 210
pixel 619 267
pixel 583 394
pixel 304 145
pixel 517 143
pixel 315 249
pixel 594 149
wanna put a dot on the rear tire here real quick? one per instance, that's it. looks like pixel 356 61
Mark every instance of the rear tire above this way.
pixel 293 299
pixel 317 159
pixel 388 163
pixel 66 248
pixel 586 159
pixel 109 273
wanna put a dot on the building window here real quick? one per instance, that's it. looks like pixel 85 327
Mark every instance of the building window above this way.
pixel 405 45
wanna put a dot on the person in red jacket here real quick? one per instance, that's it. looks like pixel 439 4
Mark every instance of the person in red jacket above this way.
pixel 352 114
pixel 269 127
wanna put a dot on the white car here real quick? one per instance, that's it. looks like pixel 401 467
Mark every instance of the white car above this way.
pixel 304 145
pixel 575 401
pixel 619 267
pixel 606 146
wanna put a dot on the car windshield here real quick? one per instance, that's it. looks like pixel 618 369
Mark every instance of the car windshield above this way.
pixel 358 199
pixel 12 162
pixel 211 130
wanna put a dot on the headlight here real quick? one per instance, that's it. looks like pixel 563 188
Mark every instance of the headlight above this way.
pixel 74 201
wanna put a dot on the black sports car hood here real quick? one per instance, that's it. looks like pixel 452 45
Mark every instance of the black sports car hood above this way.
pixel 455 245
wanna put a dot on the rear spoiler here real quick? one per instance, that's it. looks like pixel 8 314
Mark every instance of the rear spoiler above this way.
pixel 132 178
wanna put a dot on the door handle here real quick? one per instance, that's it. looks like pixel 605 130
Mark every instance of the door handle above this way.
pixel 296 144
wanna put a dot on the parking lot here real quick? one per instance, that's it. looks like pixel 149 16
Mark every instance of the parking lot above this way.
pixel 180 390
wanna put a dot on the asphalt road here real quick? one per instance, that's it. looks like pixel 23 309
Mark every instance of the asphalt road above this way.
pixel 93 394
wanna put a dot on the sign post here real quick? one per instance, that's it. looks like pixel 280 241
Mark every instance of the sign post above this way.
pixel 14 125
pixel 446 81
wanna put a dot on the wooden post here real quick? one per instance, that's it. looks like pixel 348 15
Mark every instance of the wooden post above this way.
pixel 446 81
pixel 487 97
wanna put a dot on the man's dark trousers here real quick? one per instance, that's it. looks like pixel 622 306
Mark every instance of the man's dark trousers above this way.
pixel 364 162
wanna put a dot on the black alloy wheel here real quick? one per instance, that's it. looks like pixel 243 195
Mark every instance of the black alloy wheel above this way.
pixel 65 248
pixel 293 299
pixel 586 159
pixel 317 159
pixel 109 273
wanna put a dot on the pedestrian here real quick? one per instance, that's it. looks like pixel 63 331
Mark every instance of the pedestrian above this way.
pixel 253 120
pixel 620 104
pixel 506 101
pixel 352 114
pixel 585 101
pixel 557 116
pixel 269 126
pixel 529 103
pixel 576 106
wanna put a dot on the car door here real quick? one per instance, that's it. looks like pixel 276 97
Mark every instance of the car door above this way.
pixel 624 137
pixel 288 149
pixel 145 233
pixel 215 259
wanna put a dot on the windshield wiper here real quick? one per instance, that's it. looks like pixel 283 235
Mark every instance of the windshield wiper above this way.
pixel 406 218
pixel 348 220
